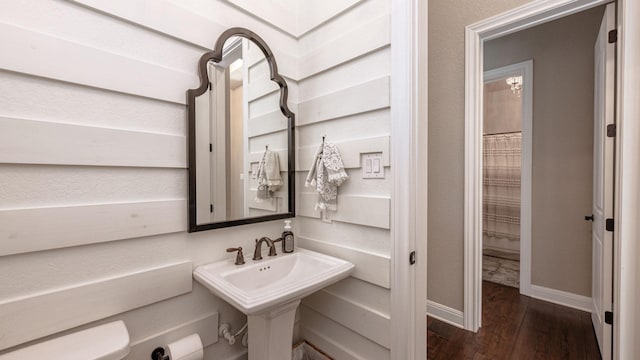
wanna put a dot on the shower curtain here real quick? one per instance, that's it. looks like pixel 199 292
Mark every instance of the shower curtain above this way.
pixel 501 187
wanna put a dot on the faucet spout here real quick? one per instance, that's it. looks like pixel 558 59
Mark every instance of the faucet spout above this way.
pixel 257 253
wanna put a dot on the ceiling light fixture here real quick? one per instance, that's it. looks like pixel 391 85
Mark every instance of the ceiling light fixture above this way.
pixel 515 82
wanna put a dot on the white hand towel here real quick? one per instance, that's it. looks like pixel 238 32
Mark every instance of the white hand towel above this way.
pixel 269 179
pixel 313 172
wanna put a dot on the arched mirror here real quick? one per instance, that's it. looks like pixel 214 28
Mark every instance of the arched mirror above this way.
pixel 241 136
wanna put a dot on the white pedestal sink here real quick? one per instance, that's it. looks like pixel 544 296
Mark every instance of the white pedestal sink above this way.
pixel 268 291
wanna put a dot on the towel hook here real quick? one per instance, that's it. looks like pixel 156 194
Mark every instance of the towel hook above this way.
pixel 266 147
pixel 323 136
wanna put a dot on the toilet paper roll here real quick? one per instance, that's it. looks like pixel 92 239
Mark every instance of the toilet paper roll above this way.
pixel 187 348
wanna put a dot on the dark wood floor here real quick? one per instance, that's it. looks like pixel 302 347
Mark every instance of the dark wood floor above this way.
pixel 515 327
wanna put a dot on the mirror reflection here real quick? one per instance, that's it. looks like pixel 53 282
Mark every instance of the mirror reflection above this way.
pixel 242 139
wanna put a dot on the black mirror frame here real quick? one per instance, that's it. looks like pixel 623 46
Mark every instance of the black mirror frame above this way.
pixel 216 56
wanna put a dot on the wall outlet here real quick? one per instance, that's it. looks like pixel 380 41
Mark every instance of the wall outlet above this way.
pixel 372 166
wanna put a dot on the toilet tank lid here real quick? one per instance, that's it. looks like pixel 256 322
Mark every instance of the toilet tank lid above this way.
pixel 105 342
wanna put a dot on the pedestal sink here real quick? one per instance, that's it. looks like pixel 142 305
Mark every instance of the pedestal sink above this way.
pixel 268 291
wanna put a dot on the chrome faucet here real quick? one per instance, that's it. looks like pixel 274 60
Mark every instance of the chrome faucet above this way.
pixel 257 253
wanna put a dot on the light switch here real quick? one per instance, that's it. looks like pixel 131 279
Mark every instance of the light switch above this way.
pixel 376 165
pixel 372 166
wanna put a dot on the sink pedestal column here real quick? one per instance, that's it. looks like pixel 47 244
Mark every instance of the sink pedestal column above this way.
pixel 271 333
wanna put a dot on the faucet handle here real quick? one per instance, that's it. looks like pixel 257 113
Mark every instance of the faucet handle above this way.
pixel 239 256
pixel 272 250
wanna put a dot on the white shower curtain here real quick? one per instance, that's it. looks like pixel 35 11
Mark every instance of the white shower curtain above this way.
pixel 501 187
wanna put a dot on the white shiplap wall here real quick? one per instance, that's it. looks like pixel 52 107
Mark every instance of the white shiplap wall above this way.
pixel 267 126
pixel 93 169
pixel 92 150
pixel 343 93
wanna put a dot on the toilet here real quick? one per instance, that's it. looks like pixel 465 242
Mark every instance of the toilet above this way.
pixel 105 342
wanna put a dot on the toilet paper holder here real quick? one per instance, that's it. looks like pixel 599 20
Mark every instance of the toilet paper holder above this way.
pixel 188 348
pixel 158 354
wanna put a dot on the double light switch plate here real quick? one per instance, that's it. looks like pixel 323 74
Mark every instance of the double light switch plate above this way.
pixel 372 166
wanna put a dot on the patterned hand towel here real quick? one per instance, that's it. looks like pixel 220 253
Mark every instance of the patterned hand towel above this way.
pixel 327 173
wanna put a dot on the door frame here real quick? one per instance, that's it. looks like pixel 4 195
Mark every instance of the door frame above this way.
pixel 409 160
pixel 534 13
pixel 626 270
pixel 524 68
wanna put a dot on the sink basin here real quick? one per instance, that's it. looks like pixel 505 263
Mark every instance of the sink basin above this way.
pixel 259 286
pixel 269 292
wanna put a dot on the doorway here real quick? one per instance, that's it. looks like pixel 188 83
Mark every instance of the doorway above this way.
pixel 551 275
pixel 506 203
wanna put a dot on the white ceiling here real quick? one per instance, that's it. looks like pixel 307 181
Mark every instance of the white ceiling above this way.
pixel 294 16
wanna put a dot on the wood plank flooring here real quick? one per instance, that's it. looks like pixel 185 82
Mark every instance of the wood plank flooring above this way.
pixel 515 327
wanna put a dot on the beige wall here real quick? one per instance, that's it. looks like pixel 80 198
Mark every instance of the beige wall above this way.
pixel 502 108
pixel 562 261
pixel 562 53
pixel 447 20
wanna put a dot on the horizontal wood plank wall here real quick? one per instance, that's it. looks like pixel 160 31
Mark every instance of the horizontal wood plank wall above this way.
pixel 343 94
pixel 368 96
pixel 59 227
pixel 370 267
pixel 350 151
pixel 338 341
pixel 362 38
pixel 354 209
pixel 169 18
pixel 29 47
pixel 93 150
pixel 364 321
pixel 354 42
pixel 262 89
pixel 267 127
pixel 42 142
pixel 267 123
pixel 64 308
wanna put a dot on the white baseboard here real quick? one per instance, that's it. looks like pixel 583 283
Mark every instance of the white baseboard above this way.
pixel 561 298
pixel 446 314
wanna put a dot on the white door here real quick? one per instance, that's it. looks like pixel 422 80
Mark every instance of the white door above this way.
pixel 603 157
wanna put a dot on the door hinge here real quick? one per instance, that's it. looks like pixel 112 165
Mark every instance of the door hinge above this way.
pixel 613 36
pixel 210 147
pixel 211 208
pixel 210 86
pixel 608 317
pixel 609 224
pixel 612 130
pixel 412 257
